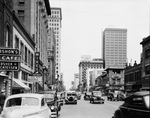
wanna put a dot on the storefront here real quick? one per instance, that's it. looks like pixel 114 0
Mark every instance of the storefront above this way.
pixel 5 83
pixel 19 87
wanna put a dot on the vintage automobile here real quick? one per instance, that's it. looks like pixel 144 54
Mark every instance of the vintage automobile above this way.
pixel 87 95
pixel 71 97
pixel 112 96
pixel 52 102
pixel 27 105
pixel 97 97
pixel 135 106
pixel 121 96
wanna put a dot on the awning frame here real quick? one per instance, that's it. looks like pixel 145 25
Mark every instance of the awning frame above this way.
pixel 20 84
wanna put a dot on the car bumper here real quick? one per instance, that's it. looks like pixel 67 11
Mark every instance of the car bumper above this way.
pixel 67 101
pixel 54 114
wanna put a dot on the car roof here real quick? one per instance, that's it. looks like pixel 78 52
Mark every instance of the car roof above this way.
pixel 141 93
pixel 39 96
pixel 43 92
pixel 96 91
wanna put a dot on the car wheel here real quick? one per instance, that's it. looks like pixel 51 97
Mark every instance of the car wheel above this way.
pixel 117 115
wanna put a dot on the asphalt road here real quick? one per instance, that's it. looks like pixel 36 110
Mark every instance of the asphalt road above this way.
pixel 84 109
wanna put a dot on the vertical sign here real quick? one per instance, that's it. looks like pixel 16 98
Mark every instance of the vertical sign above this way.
pixel 37 55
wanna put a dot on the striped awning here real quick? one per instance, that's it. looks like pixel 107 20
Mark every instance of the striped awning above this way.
pixel 17 84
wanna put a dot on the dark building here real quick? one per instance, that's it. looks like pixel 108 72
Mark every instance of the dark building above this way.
pixel 133 78
pixel 6 23
pixel 145 63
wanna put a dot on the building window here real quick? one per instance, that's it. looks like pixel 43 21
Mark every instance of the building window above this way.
pixel 22 51
pixel 31 60
pixel 147 54
pixel 21 2
pixel 21 14
pixel 8 36
pixel 147 69
pixel 24 76
pixel 16 74
pixel 16 42
pixel 26 54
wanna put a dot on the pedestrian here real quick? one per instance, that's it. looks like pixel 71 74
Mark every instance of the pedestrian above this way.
pixel 2 100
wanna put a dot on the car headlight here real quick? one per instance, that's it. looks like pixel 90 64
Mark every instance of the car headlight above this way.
pixel 52 107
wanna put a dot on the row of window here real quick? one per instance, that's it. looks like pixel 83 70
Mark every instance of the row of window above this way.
pixel 133 77
pixel 55 12
pixel 26 54
pixel 147 54
pixel 54 20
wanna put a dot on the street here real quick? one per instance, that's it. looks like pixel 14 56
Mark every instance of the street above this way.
pixel 86 110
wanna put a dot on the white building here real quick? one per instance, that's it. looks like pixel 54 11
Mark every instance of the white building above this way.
pixel 76 80
pixel 115 47
pixel 54 22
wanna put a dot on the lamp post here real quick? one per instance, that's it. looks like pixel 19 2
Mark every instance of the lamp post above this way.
pixel 43 76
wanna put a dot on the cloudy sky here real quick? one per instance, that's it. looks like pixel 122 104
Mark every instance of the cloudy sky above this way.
pixel 84 20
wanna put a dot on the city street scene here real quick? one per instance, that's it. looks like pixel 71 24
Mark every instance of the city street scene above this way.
pixel 74 58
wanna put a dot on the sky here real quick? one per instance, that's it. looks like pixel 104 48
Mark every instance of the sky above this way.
pixel 83 22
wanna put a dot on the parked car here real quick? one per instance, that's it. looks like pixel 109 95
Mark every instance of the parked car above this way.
pixel 135 106
pixel 25 105
pixel 87 95
pixel 112 96
pixel 71 97
pixel 121 96
pixel 53 102
pixel 97 97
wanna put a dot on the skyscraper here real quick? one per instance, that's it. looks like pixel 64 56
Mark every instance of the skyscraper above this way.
pixel 114 47
pixel 55 24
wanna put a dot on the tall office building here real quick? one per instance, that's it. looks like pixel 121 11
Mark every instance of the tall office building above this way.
pixel 34 16
pixel 54 23
pixel 76 80
pixel 114 47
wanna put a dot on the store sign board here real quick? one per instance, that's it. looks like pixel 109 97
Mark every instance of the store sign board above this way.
pixel 35 79
pixel 10 66
pixel 9 51
pixel 37 55
pixel 9 59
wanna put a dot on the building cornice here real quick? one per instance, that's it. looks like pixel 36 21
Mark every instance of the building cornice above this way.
pixel 145 40
pixel 48 9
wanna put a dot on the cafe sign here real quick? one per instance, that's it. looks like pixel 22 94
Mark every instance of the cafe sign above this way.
pixel 9 59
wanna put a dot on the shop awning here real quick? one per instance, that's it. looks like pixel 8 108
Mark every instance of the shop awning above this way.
pixel 1 74
pixel 46 87
pixel 19 84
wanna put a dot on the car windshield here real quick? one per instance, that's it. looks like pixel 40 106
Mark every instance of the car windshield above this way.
pixel 49 96
pixel 30 101
pixel 97 93
pixel 26 101
pixel 71 94
pixel 147 99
